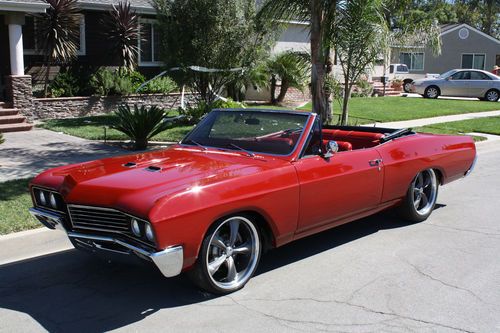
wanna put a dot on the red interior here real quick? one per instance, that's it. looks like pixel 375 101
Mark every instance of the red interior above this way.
pixel 357 140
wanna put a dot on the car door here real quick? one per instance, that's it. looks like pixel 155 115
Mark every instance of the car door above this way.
pixel 456 84
pixel 344 185
pixel 479 84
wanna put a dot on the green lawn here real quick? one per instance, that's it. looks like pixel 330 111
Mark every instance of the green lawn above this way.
pixel 92 128
pixel 488 125
pixel 384 109
pixel 14 203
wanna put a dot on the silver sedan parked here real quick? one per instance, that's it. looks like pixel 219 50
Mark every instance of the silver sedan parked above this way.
pixel 460 83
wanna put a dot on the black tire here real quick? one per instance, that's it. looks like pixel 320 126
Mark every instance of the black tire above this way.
pixel 247 231
pixel 409 209
pixel 492 95
pixel 432 92
pixel 407 86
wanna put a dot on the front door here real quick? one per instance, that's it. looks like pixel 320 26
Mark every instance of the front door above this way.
pixel 457 84
pixel 346 184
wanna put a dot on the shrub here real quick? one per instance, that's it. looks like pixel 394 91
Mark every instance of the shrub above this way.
pixel 65 84
pixel 2 140
pixel 162 84
pixel 107 82
pixel 140 124
pixel 195 113
pixel 363 88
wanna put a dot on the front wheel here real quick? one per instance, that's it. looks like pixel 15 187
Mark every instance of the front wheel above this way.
pixel 432 92
pixel 407 86
pixel 229 255
pixel 421 196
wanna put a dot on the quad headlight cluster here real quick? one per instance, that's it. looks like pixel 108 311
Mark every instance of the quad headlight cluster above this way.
pixel 48 199
pixel 142 229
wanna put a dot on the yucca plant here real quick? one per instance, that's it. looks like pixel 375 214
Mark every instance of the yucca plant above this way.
pixel 122 31
pixel 140 123
pixel 58 30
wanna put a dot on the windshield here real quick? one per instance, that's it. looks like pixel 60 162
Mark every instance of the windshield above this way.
pixel 249 131
pixel 448 73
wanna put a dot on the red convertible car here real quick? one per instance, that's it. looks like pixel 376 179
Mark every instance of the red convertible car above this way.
pixel 241 182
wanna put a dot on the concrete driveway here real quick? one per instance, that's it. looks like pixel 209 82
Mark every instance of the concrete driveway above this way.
pixel 25 154
pixel 375 275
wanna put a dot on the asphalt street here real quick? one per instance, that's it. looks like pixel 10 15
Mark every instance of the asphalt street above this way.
pixel 378 274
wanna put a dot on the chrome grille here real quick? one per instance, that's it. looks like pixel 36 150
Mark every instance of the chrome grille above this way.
pixel 96 218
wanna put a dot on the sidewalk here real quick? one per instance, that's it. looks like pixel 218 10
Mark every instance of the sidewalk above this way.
pixel 25 154
pixel 435 120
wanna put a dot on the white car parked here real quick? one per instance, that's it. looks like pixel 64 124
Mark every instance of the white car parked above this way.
pixel 460 83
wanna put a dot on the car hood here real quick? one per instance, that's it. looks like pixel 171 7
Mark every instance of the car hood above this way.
pixel 148 177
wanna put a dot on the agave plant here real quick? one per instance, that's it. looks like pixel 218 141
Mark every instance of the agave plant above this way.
pixel 122 31
pixel 140 124
pixel 58 30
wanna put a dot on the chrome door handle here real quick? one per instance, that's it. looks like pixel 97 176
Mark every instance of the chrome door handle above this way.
pixel 376 163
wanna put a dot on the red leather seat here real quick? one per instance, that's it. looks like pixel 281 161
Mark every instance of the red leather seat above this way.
pixel 357 139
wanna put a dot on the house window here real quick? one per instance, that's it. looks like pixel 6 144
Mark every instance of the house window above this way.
pixel 414 60
pixel 33 46
pixel 149 43
pixel 473 61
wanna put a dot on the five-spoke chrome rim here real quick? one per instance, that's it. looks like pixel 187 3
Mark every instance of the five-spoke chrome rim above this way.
pixel 432 92
pixel 424 189
pixel 492 96
pixel 233 253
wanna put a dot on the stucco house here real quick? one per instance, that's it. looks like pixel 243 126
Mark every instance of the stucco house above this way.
pixel 20 59
pixel 463 46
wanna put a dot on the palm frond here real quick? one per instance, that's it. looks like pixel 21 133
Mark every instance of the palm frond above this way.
pixel 122 31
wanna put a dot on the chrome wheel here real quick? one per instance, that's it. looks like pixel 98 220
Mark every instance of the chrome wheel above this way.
pixel 432 92
pixel 424 187
pixel 233 253
pixel 492 96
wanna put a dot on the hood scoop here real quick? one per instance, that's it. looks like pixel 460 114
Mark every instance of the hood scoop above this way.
pixel 153 168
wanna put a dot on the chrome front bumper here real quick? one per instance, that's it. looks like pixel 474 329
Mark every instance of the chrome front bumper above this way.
pixel 169 261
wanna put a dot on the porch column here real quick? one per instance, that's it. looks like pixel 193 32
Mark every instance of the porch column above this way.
pixel 15 22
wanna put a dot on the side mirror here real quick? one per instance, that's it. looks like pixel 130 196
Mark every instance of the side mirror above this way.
pixel 332 147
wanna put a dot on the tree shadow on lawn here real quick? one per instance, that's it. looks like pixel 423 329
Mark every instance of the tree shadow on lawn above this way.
pixel 71 291
pixel 13 188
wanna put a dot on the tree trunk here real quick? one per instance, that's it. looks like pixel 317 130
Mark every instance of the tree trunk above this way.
pixel 273 89
pixel 317 62
pixel 345 103
pixel 46 81
pixel 284 88
pixel 140 144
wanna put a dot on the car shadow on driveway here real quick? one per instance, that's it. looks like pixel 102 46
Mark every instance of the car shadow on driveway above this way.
pixel 71 291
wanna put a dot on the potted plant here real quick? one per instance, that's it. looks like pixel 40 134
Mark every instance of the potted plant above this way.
pixel 397 84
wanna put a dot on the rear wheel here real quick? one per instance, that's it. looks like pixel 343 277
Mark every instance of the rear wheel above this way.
pixel 407 86
pixel 421 197
pixel 432 92
pixel 229 255
pixel 492 95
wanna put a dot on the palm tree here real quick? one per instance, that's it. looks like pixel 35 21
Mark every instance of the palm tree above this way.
pixel 320 14
pixel 292 69
pixel 122 31
pixel 59 30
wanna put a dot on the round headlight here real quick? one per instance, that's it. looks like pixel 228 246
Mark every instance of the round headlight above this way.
pixel 136 229
pixel 149 233
pixel 53 201
pixel 41 198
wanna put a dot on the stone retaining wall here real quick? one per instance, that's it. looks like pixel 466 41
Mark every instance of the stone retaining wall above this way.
pixel 66 107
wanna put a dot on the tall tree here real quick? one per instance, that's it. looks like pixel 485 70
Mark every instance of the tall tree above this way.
pixel 359 36
pixel 58 30
pixel 320 14
pixel 219 36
